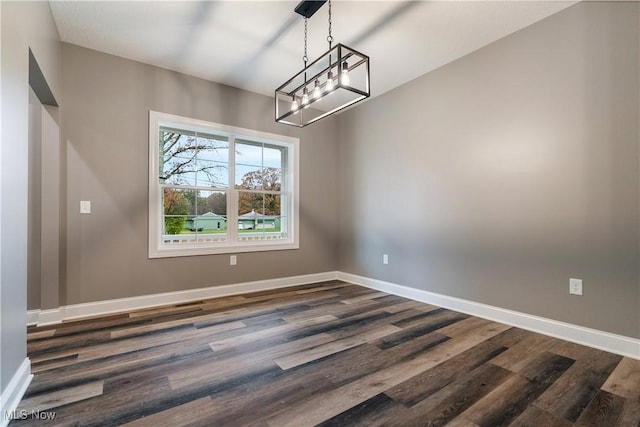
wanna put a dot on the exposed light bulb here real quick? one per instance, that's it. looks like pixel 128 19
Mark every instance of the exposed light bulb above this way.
pixel 317 92
pixel 294 104
pixel 305 97
pixel 330 84
pixel 344 75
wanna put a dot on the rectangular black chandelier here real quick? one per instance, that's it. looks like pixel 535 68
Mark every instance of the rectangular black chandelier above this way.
pixel 337 79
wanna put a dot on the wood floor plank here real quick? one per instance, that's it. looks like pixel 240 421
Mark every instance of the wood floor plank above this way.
pixel 630 415
pixel 341 372
pixel 536 417
pixel 118 401
pixel 625 379
pixel 422 317
pixel 410 305
pixel 335 308
pixel 315 353
pixel 172 309
pixel 53 363
pixel 435 323
pixel 372 412
pixel 509 400
pixel 40 350
pixel 452 400
pixel 463 326
pixel 320 287
pixel 35 335
pixel 370 296
pixel 62 397
pixel 276 330
pixel 463 422
pixel 429 382
pixel 196 413
pixel 571 394
pixel 275 390
pixel 603 410
pixel 520 354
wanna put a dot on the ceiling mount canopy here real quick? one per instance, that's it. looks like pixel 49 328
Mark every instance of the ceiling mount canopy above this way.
pixel 307 8
pixel 337 79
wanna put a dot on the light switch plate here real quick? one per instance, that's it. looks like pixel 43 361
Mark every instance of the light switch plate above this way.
pixel 85 206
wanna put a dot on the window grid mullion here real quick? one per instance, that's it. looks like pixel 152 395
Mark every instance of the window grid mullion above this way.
pixel 232 195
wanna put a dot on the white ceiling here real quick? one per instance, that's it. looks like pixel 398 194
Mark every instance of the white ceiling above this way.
pixel 258 45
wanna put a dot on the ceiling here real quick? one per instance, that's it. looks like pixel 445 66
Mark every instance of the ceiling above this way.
pixel 258 45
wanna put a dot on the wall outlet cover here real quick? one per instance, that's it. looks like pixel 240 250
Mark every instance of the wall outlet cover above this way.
pixel 575 286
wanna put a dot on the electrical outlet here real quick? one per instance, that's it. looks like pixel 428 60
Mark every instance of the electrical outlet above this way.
pixel 233 260
pixel 385 259
pixel 575 286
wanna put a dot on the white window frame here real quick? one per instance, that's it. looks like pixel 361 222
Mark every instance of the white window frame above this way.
pixel 158 249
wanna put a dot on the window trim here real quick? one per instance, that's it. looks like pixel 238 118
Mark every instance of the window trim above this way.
pixel 157 249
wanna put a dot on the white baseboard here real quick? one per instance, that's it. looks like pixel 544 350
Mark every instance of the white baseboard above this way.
pixel 16 388
pixel 45 317
pixel 618 344
pixel 50 317
pixel 32 317
pixel 76 311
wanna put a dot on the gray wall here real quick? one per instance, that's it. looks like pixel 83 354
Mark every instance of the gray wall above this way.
pixel 34 218
pixel 106 102
pixel 44 218
pixel 24 25
pixel 501 175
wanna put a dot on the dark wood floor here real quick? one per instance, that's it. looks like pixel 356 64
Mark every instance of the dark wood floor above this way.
pixel 330 354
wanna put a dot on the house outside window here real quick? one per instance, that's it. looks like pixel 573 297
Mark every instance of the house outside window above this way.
pixel 219 189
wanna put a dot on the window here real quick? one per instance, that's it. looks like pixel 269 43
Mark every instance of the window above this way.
pixel 219 189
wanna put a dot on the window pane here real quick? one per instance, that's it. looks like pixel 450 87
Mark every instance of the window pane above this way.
pixel 249 202
pixel 210 223
pixel 272 204
pixel 272 179
pixel 213 148
pixel 178 208
pixel 249 177
pixel 273 156
pixel 248 153
pixel 177 157
pixel 181 151
pixel 212 174
pixel 252 178
pixel 259 217
pixel 214 202
pixel 194 216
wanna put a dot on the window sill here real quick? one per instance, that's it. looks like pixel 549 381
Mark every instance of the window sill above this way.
pixel 172 252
